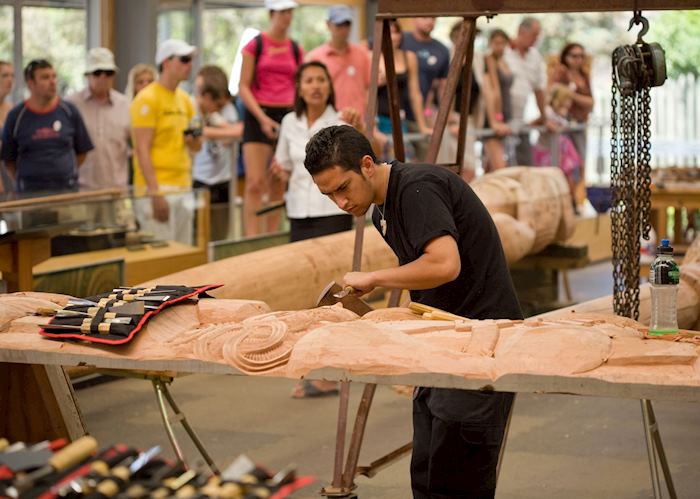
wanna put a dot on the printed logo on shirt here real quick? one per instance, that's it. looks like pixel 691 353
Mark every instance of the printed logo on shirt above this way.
pixel 57 125
pixel 45 133
pixel 432 60
pixel 145 110
pixel 423 54
pixel 351 70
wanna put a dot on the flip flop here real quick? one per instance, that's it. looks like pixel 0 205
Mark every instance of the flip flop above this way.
pixel 309 390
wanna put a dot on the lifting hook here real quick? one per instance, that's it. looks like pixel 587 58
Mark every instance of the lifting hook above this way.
pixel 638 18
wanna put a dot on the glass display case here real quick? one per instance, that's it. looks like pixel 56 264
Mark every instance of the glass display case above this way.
pixel 152 235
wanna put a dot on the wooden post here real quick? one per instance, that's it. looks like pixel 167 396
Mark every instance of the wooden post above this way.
pixel 467 77
pixel 393 88
pixel 464 50
pixel 38 403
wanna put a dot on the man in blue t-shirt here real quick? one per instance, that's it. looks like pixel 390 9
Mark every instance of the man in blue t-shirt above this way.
pixel 433 66
pixel 44 139
pixel 433 58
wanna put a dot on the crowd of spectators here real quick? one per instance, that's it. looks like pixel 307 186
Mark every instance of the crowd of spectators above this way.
pixel 157 138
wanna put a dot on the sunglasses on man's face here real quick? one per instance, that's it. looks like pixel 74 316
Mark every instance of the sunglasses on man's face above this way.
pixel 105 72
pixel 185 59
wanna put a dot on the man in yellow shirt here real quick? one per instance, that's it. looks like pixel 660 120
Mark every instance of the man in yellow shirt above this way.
pixel 160 117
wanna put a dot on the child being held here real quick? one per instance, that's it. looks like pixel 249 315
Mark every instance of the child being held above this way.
pixel 559 105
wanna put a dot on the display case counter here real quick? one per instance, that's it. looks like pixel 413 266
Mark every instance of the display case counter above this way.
pixel 51 242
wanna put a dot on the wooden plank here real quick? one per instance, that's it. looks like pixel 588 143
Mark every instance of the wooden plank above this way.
pixel 515 383
pixel 63 394
pixel 524 383
pixel 463 8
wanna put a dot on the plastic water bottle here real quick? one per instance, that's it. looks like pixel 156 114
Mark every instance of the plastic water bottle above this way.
pixel 664 277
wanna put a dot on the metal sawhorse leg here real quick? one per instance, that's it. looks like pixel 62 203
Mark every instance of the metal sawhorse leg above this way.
pixel 655 447
pixel 160 383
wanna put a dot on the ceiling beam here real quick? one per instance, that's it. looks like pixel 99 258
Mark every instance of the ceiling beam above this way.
pixel 418 8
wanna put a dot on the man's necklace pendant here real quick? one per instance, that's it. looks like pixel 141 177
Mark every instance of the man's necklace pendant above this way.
pixel 382 224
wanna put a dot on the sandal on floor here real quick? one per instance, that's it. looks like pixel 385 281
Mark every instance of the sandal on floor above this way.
pixel 306 389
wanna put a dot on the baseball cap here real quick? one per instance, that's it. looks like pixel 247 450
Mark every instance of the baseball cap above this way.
pixel 100 58
pixel 280 4
pixel 339 14
pixel 170 48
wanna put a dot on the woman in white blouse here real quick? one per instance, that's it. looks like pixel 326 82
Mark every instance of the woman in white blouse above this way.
pixel 310 213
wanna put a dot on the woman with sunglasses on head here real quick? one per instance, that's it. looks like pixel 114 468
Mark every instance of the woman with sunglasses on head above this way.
pixel 310 213
pixel 574 71
pixel 266 88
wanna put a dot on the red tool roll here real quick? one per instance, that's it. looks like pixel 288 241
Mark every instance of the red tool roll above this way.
pixel 114 318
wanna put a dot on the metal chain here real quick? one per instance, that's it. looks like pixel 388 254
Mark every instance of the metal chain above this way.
pixel 631 180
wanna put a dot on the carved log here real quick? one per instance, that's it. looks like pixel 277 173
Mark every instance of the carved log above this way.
pixel 530 207
pixel 573 352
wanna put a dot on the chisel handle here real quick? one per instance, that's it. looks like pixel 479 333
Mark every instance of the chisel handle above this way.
pixel 102 327
pixel 46 311
pixel 73 453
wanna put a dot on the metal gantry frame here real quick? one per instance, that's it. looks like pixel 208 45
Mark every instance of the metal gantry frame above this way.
pixel 345 470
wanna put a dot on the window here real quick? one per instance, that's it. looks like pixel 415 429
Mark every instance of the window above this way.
pixel 64 45
pixel 6 32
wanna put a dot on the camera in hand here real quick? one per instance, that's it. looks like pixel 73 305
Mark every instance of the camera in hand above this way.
pixel 195 132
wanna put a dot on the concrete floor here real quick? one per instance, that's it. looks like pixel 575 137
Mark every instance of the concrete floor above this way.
pixel 559 446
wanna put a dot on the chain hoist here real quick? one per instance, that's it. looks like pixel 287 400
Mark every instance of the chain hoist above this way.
pixel 635 69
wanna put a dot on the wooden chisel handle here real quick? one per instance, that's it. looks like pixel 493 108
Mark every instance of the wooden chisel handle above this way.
pixel 73 453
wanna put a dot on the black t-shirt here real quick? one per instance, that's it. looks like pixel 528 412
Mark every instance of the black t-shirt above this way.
pixel 424 202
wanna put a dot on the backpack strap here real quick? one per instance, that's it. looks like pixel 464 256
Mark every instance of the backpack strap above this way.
pixel 18 119
pixel 258 52
pixel 297 52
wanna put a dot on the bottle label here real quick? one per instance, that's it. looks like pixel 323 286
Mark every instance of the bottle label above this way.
pixel 664 272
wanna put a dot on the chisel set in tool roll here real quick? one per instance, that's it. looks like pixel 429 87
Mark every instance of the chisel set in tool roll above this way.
pixel 116 316
pixel 78 470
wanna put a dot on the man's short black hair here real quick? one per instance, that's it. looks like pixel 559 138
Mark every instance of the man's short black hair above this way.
pixel 339 145
pixel 33 65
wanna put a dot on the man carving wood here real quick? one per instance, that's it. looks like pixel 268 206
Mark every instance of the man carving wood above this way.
pixel 450 257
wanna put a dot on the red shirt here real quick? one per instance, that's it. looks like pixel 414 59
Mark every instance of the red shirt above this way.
pixel 349 73
pixel 273 81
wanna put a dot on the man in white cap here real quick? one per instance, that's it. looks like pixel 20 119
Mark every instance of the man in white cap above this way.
pixel 106 115
pixel 160 118
pixel 348 63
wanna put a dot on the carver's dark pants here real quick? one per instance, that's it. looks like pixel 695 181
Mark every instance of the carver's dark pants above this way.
pixel 457 436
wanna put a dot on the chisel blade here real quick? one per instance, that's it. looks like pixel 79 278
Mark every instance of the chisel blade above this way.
pixel 133 308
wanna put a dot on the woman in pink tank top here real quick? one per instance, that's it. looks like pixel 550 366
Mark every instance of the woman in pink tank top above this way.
pixel 267 90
